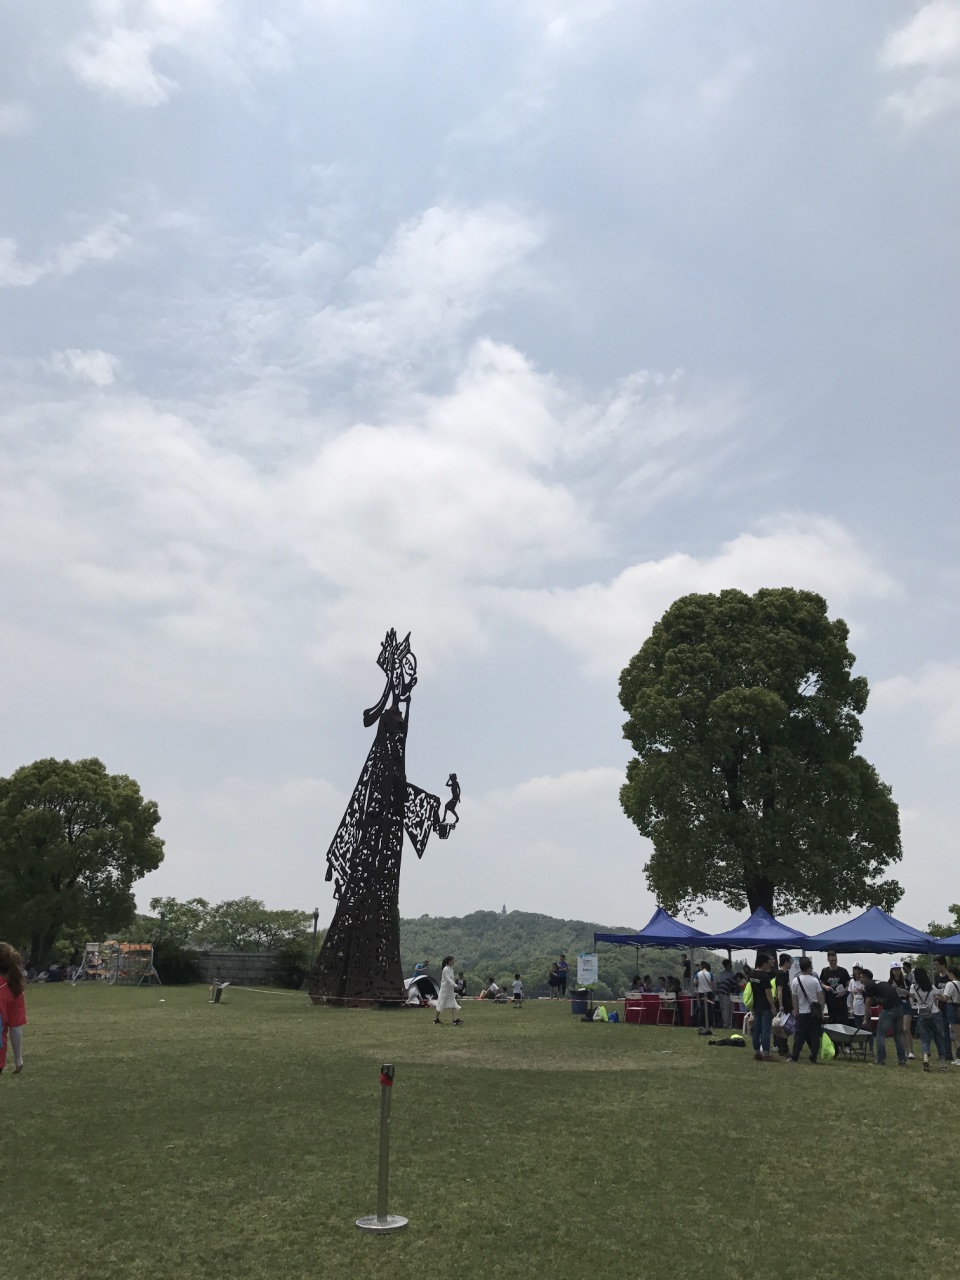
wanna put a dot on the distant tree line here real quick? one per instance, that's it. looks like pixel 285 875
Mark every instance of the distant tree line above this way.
pixel 493 944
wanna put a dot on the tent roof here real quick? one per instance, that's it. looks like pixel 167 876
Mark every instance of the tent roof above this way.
pixel 661 930
pixel 760 930
pixel 947 946
pixel 874 931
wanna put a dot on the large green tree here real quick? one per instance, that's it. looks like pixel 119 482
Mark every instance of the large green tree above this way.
pixel 745 718
pixel 73 841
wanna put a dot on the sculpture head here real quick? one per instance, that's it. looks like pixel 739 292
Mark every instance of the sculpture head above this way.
pixel 399 663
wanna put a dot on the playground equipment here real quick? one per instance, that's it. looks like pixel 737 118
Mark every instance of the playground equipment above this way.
pixel 127 964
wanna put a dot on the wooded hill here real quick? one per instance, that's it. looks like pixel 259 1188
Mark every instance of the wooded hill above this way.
pixel 493 944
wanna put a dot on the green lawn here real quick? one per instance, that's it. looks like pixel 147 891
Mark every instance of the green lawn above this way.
pixel 183 1140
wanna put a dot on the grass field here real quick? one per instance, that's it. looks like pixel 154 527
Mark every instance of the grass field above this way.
pixel 183 1140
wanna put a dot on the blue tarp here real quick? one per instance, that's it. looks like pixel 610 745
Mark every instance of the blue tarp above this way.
pixel 875 932
pixel 760 930
pixel 661 930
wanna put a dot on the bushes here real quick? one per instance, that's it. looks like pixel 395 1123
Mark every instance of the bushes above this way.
pixel 293 965
pixel 175 965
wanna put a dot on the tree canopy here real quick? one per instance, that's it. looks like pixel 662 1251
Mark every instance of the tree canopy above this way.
pixel 73 841
pixel 238 924
pixel 744 716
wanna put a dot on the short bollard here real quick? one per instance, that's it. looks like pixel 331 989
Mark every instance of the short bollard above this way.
pixel 382 1220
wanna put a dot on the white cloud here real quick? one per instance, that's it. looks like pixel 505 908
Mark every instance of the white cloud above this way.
pixel 929 47
pixel 98 367
pixel 115 58
pixel 935 689
pixel 605 623
pixel 274 833
pixel 438 273
pixel 16 119
pixel 527 845
pixel 104 242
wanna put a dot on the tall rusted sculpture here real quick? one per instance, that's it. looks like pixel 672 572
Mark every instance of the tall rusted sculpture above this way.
pixel 359 961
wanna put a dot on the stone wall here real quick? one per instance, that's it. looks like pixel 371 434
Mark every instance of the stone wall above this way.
pixel 244 968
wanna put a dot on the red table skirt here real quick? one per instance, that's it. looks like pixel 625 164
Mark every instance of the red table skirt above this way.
pixel 646 1007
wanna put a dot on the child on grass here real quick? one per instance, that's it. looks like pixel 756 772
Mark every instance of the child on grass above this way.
pixel 517 991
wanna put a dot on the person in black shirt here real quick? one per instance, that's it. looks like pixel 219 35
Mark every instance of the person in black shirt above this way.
pixel 890 1016
pixel 784 1003
pixel 760 980
pixel 685 969
pixel 835 979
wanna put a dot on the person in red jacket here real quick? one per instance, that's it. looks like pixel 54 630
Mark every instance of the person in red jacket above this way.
pixel 13 1013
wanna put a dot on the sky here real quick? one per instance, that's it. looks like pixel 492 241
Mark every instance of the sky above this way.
pixel 505 324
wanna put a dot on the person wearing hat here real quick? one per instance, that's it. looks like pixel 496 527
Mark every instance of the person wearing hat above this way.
pixel 890 1017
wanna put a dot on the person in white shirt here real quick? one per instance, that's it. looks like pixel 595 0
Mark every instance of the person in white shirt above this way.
pixel 926 1001
pixel 951 992
pixel 447 998
pixel 808 1005
pixel 706 987
pixel 517 991
pixel 857 1005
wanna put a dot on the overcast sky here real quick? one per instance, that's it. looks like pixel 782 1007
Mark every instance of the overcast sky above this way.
pixel 504 323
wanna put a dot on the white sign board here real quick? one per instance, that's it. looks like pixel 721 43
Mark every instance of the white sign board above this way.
pixel 586 969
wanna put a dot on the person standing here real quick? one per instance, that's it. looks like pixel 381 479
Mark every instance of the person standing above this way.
pixel 564 970
pixel 926 999
pixel 941 980
pixel 835 978
pixel 553 981
pixel 13 1012
pixel 762 997
pixel 517 991
pixel 705 991
pixel 447 998
pixel 950 991
pixel 899 980
pixel 728 987
pixel 685 970
pixel 808 1000
pixel 784 1003
pixel 857 1005
pixel 890 1019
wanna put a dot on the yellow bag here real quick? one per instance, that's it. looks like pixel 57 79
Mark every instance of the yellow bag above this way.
pixel 747 996
pixel 827 1048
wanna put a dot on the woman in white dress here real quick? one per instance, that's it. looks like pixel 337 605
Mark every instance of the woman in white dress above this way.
pixel 447 998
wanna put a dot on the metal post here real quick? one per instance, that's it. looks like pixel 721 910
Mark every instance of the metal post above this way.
pixel 382 1220
pixel 313 944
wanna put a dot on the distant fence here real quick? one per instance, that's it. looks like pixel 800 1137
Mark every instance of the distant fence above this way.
pixel 245 968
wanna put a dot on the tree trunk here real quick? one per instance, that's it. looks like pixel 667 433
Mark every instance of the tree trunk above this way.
pixel 760 893
pixel 42 946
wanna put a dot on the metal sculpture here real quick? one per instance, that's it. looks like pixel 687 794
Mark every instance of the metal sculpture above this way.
pixel 359 961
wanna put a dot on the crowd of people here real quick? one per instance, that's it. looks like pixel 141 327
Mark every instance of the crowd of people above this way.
pixel 783 997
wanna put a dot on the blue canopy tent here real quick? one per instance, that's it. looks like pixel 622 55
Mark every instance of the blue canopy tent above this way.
pixel 876 933
pixel 760 931
pixel 661 930
pixel 947 946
